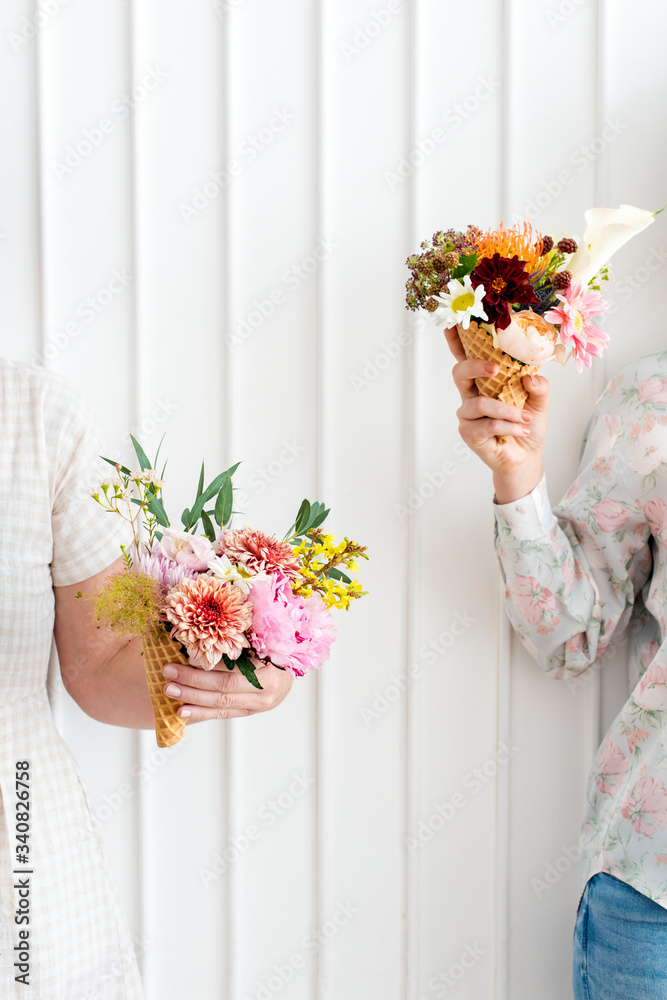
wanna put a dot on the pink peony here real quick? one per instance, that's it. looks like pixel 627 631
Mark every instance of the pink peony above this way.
pixel 610 515
pixel 193 551
pixel 612 765
pixel 646 806
pixel 651 692
pixel 655 512
pixel 210 618
pixel 574 316
pixel 533 601
pixel 292 632
pixel 259 553
pixel 653 390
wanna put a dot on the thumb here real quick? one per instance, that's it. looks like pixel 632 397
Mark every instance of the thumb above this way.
pixel 537 388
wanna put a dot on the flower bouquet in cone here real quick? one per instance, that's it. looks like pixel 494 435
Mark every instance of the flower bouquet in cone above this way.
pixel 521 298
pixel 220 597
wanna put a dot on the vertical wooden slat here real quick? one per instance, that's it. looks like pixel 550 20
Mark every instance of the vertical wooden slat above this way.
pixel 456 162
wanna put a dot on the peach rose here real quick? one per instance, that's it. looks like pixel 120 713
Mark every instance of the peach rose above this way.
pixel 529 338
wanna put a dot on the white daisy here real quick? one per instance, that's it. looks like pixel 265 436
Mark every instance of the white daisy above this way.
pixel 459 303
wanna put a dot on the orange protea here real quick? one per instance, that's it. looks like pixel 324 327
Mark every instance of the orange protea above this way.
pixel 521 240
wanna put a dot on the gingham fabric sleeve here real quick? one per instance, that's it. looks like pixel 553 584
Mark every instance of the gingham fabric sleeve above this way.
pixel 86 538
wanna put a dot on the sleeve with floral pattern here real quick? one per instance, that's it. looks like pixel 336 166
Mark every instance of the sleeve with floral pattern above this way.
pixel 572 575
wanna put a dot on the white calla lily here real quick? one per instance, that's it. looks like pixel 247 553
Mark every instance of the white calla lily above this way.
pixel 607 230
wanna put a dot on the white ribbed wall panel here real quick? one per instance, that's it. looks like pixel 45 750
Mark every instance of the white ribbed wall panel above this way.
pixel 259 132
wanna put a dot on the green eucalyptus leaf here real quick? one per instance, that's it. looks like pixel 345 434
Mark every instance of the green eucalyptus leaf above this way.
pixel 227 495
pixel 123 469
pixel 156 507
pixel 320 519
pixel 209 530
pixel 157 453
pixel 337 574
pixel 200 487
pixel 186 518
pixel 302 518
pixel 144 461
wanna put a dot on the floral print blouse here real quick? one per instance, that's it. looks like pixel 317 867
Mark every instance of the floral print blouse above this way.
pixel 582 579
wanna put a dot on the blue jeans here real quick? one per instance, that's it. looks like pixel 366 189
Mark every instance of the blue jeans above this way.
pixel 620 944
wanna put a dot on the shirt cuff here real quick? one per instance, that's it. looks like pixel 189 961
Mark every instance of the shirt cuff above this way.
pixel 528 519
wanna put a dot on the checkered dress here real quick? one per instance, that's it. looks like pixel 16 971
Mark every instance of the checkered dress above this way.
pixel 51 533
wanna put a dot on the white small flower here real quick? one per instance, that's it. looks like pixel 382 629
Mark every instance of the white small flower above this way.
pixel 126 495
pixel 222 568
pixel 459 303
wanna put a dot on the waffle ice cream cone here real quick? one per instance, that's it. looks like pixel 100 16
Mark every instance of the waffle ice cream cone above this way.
pixel 158 650
pixel 506 385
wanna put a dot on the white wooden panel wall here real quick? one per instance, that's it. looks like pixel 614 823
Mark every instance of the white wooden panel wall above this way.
pixel 257 196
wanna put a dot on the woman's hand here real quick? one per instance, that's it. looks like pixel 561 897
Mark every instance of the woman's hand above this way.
pixel 224 694
pixel 517 464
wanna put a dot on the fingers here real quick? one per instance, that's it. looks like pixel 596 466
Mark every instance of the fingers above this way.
pixel 217 694
pixel 537 388
pixel 482 419
pixel 454 341
pixel 465 372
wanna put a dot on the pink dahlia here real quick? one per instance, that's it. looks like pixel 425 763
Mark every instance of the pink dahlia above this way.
pixel 259 553
pixel 577 330
pixel 292 632
pixel 210 618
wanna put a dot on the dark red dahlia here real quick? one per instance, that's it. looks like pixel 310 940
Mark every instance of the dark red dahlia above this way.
pixel 506 282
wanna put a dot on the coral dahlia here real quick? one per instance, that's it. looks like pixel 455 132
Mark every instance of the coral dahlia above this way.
pixel 259 552
pixel 210 618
